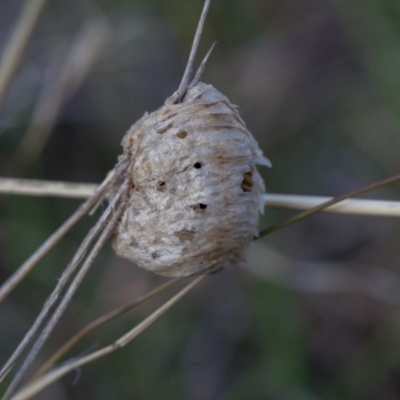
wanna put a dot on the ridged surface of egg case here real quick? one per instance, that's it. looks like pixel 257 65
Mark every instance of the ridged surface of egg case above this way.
pixel 195 193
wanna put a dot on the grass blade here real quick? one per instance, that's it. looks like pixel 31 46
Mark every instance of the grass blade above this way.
pixel 327 204
pixel 104 319
pixel 32 261
pixel 113 211
pixel 52 376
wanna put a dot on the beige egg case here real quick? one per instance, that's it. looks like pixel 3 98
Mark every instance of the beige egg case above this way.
pixel 194 190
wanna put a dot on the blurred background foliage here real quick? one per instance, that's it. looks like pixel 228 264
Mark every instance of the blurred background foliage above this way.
pixel 314 314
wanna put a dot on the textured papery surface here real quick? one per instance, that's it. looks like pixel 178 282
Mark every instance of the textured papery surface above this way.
pixel 195 193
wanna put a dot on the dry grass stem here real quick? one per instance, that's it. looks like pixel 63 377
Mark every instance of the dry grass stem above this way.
pixel 32 261
pixel 327 204
pixel 31 187
pixel 76 67
pixel 97 323
pixel 273 200
pixel 381 208
pixel 52 376
pixel 107 221
pixel 201 68
pixel 177 97
pixel 13 52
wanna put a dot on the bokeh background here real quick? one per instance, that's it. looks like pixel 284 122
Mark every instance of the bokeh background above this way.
pixel 314 314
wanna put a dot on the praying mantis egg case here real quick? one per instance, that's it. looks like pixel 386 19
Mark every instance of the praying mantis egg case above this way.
pixel 195 193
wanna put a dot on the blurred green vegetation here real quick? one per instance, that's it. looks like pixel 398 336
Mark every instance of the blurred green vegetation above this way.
pixel 314 313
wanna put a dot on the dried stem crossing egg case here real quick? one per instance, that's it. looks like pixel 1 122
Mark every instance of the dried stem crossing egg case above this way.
pixel 194 193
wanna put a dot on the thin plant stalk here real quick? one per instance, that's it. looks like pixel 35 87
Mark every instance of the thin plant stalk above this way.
pixel 187 75
pixel 97 323
pixel 55 374
pixel 112 211
pixel 201 68
pixel 321 207
pixel 17 44
pixel 32 261
pixel 382 208
pixel 33 187
pixel 30 187
pixel 56 293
